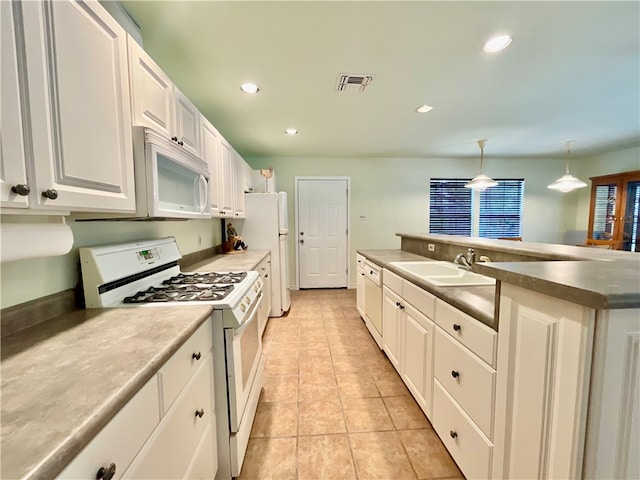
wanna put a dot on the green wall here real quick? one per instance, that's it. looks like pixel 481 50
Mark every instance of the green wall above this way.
pixel 25 280
pixel 393 194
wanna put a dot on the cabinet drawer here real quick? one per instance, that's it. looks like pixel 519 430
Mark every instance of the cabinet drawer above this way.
pixel 466 444
pixel 474 335
pixel 469 380
pixel 120 440
pixel 419 298
pixel 204 464
pixel 393 281
pixel 171 447
pixel 360 260
pixel 175 374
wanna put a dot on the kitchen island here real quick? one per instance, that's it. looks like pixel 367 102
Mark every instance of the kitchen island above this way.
pixel 567 365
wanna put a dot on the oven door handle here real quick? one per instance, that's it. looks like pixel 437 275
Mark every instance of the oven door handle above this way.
pixel 250 317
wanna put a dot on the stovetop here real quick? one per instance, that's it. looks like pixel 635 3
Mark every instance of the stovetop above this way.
pixel 180 293
pixel 208 278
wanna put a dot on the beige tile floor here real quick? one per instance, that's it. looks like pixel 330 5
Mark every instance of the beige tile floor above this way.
pixel 333 407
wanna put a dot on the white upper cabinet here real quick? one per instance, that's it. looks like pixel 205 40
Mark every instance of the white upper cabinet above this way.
pixel 211 140
pixel 14 189
pixel 226 179
pixel 78 112
pixel 158 104
pixel 241 184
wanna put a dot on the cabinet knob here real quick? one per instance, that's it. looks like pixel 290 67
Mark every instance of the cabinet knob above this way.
pixel 398 304
pixel 200 413
pixel 455 374
pixel 401 307
pixel 181 143
pixel 50 193
pixel 453 434
pixel 21 189
pixel 106 473
pixel 175 139
pixel 457 327
pixel 196 356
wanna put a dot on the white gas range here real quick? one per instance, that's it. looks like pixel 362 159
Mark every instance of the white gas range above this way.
pixel 147 274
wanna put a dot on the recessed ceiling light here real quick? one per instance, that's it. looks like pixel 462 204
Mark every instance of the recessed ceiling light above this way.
pixel 424 108
pixel 290 131
pixel 497 43
pixel 250 88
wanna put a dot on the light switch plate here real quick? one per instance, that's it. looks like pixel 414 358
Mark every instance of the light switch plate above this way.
pixel 431 247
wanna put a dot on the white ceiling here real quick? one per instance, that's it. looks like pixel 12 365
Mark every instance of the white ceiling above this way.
pixel 571 73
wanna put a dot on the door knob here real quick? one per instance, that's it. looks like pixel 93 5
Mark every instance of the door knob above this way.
pixel 301 240
pixel 301 233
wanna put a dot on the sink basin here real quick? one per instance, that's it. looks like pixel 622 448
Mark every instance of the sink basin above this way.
pixel 443 274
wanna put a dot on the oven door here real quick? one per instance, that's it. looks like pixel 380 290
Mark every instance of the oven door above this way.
pixel 243 349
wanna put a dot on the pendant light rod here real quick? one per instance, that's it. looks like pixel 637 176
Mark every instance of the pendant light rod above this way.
pixel 569 146
pixel 482 143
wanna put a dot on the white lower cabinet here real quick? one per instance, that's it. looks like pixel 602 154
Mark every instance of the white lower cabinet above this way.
pixel 391 326
pixel 121 439
pixel 167 430
pixel 173 444
pixel 417 362
pixel 360 286
pixel 468 446
pixel 408 335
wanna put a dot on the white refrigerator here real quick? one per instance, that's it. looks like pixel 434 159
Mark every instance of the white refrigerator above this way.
pixel 266 228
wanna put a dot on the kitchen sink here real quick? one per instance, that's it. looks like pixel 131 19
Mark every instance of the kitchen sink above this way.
pixel 443 274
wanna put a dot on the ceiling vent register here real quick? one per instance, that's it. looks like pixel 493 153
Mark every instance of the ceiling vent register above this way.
pixel 352 82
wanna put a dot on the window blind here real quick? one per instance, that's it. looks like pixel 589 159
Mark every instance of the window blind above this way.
pixel 449 206
pixel 501 209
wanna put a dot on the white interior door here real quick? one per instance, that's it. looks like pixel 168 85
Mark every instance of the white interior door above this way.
pixel 322 232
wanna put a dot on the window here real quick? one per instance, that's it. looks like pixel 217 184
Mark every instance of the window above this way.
pixel 450 207
pixel 494 213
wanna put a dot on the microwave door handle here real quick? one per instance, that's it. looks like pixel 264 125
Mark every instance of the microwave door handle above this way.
pixel 204 193
pixel 200 193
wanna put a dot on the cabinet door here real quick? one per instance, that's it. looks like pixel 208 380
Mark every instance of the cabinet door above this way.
pixel 227 190
pixel 151 91
pixel 187 123
pixel 417 363
pixel 12 154
pixel 80 114
pixel 211 155
pixel 391 326
pixel 240 184
pixel 360 291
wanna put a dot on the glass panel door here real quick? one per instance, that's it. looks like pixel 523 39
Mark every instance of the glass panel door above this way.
pixel 631 224
pixel 604 212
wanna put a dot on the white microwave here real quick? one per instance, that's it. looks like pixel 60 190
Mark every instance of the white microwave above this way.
pixel 170 181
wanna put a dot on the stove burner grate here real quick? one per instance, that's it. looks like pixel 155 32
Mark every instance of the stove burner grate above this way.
pixel 211 278
pixel 180 293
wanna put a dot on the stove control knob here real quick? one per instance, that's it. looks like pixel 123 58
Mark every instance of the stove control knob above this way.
pixel 243 307
pixel 256 288
pixel 248 300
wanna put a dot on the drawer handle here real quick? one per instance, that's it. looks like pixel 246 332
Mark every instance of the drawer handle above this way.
pixel 457 327
pixel 455 374
pixel 200 413
pixel 453 434
pixel 196 356
pixel 106 473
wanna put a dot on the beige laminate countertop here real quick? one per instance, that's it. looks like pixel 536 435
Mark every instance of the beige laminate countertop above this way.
pixel 230 262
pixel 593 277
pixel 477 301
pixel 64 379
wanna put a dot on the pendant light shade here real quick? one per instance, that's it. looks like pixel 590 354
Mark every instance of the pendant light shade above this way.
pixel 567 182
pixel 481 182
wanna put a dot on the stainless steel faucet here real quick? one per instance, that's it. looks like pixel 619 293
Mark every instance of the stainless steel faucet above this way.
pixel 466 260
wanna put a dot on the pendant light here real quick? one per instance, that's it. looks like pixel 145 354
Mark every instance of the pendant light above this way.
pixel 481 182
pixel 567 182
